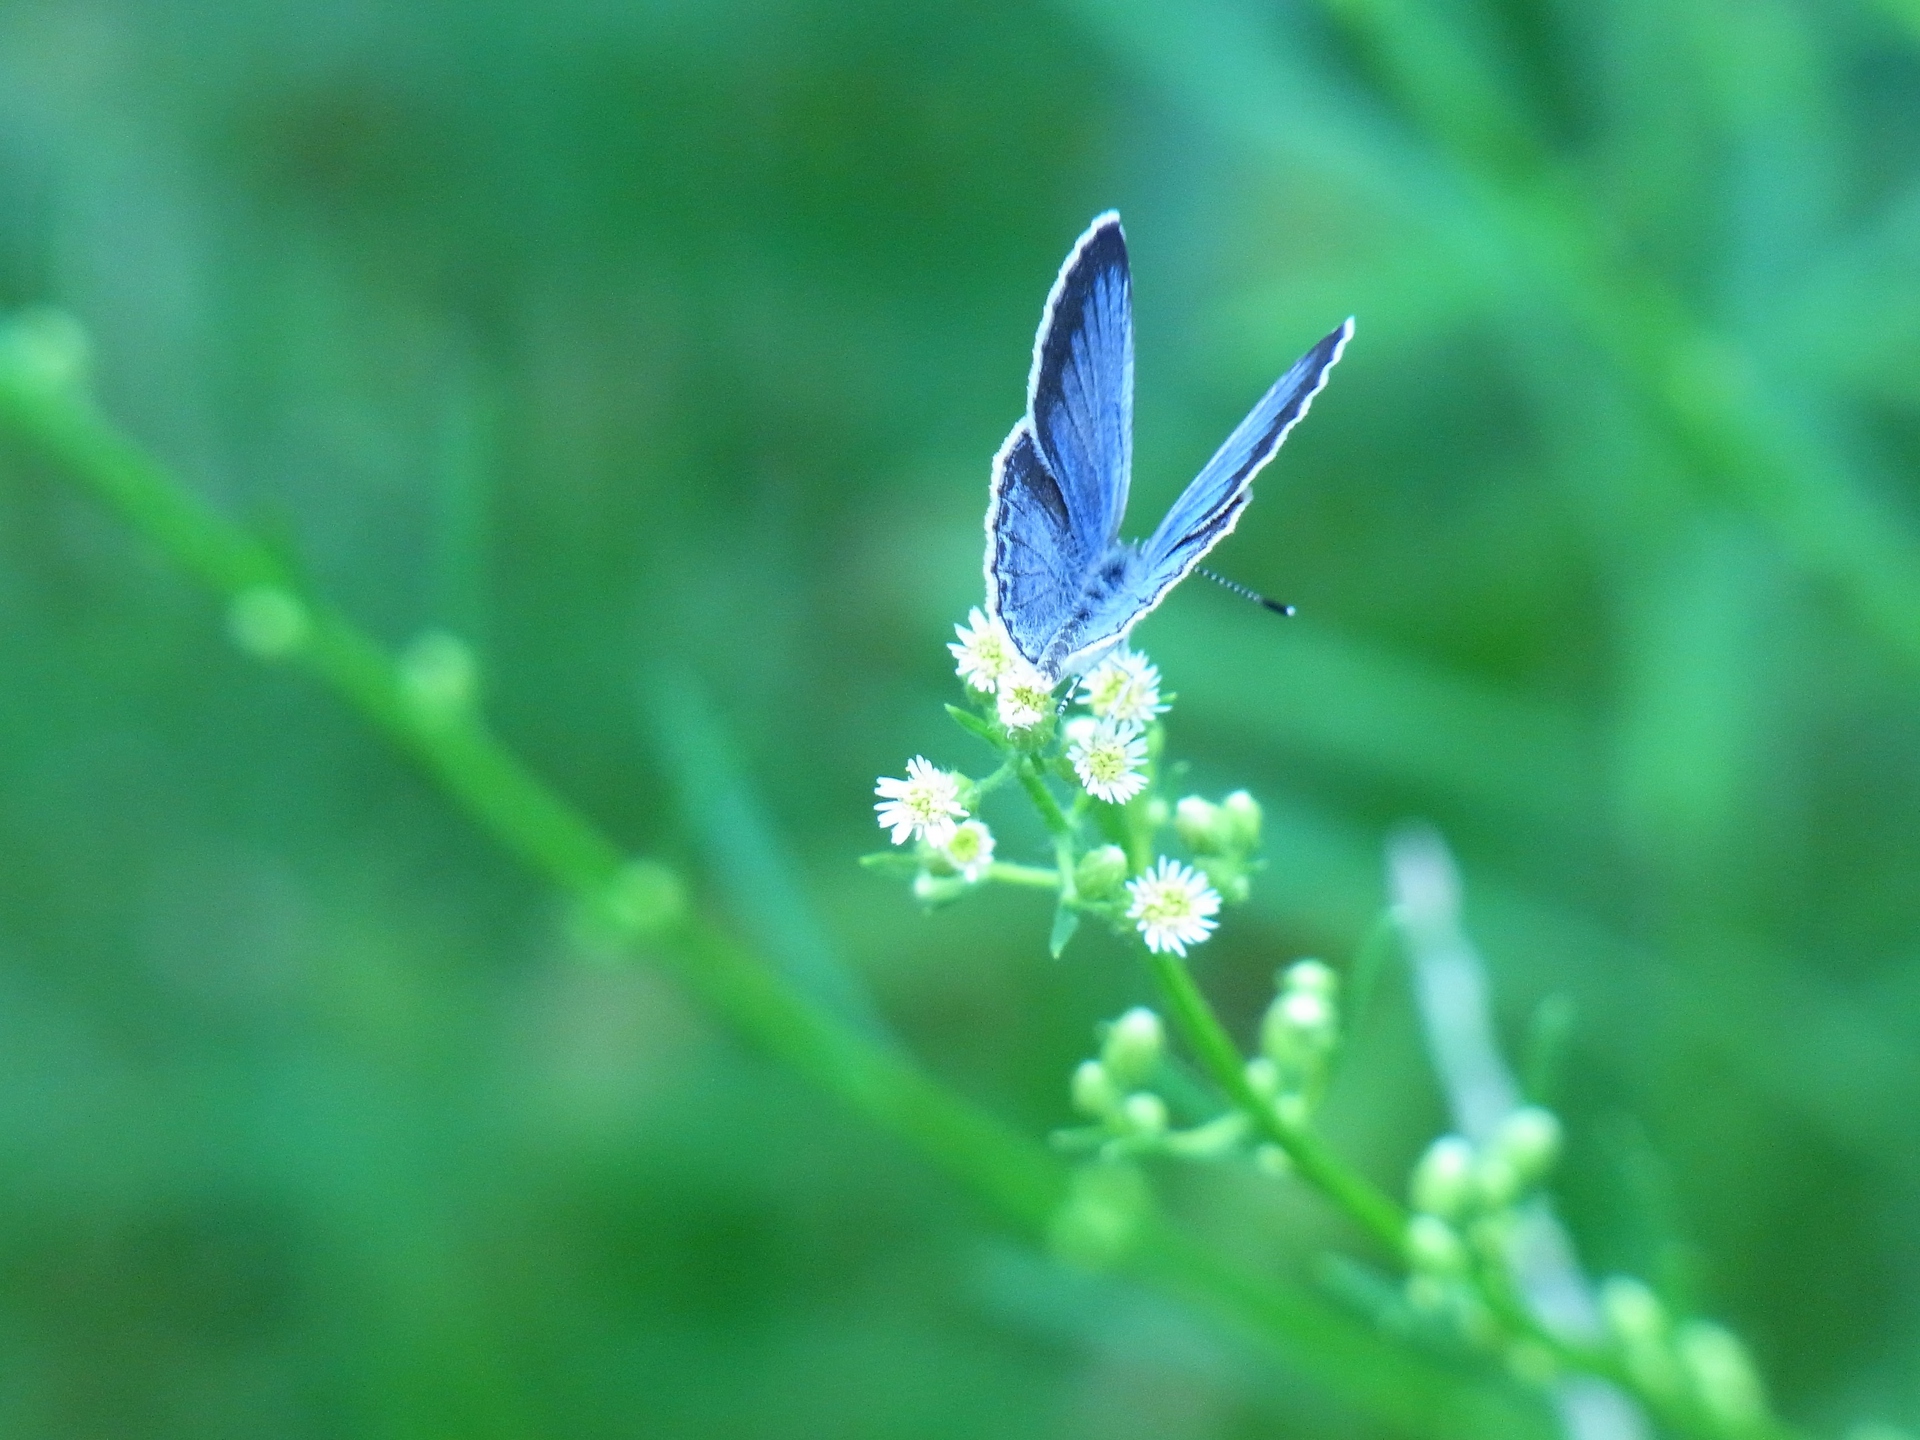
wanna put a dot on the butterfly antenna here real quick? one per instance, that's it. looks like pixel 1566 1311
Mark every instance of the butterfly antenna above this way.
pixel 1244 592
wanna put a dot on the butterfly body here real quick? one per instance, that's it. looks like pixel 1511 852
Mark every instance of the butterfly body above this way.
pixel 1060 581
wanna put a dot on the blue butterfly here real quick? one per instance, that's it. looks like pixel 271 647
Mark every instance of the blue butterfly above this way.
pixel 1066 588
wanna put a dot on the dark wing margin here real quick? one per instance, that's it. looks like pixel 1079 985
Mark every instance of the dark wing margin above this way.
pixel 1210 507
pixel 1035 562
pixel 1080 390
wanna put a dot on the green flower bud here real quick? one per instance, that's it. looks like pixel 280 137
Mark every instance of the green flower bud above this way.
pixel 1638 1323
pixel 1228 875
pixel 1222 1135
pixel 1145 1113
pixel 1721 1373
pixel 1433 1247
pixel 1239 824
pixel 1310 977
pixel 930 889
pixel 1197 821
pixel 1443 1180
pixel 1133 1047
pixel 645 898
pixel 1497 1182
pixel 1633 1312
pixel 267 622
pixel 49 346
pixel 1156 812
pixel 1263 1077
pixel 1100 873
pixel 1298 1029
pixel 1292 1110
pixel 1528 1140
pixel 1094 1092
pixel 439 676
pixel 1271 1160
pixel 1101 1216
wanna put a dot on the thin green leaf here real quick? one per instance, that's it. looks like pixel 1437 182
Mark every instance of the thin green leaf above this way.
pixel 973 724
pixel 1066 920
pixel 900 864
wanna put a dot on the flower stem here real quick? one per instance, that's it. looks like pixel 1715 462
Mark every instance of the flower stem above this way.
pixel 1363 1202
pixel 998 778
pixel 1051 815
pixel 1030 876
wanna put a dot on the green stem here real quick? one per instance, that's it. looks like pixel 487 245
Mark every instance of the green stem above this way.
pixel 1318 1164
pixel 998 778
pixel 1030 876
pixel 1365 1203
pixel 1015 1177
pixel 1057 823
pixel 1051 815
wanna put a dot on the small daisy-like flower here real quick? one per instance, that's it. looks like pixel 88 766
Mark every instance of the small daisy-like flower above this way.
pixel 1125 686
pixel 970 850
pixel 926 803
pixel 1079 729
pixel 1111 761
pixel 984 653
pixel 1025 697
pixel 1172 906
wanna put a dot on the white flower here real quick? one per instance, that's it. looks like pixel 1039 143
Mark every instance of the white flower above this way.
pixel 926 803
pixel 970 850
pixel 1125 686
pixel 1025 697
pixel 1111 761
pixel 1171 906
pixel 984 653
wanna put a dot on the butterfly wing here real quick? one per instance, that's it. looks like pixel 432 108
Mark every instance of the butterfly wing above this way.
pixel 1204 515
pixel 1080 390
pixel 1035 559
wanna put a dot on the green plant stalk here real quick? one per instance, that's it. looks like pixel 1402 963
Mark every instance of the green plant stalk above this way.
pixel 1727 431
pixel 1362 1201
pixel 1374 1211
pixel 1017 1178
pixel 1051 815
pixel 1031 877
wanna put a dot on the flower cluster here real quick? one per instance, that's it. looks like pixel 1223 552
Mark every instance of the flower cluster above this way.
pixel 1470 1240
pixel 1107 824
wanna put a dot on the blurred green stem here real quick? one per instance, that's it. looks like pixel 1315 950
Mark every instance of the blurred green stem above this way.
pixel 1374 1211
pixel 1702 395
pixel 1317 1164
pixel 1051 815
pixel 642 904
pixel 1031 876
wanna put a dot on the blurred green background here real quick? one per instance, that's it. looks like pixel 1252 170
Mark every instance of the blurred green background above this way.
pixel 660 350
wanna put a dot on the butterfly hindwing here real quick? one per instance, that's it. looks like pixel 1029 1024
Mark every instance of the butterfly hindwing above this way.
pixel 1080 389
pixel 1035 561
pixel 1210 507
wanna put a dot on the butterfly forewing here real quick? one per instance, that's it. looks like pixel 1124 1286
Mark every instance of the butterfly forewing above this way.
pixel 1080 390
pixel 1209 508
